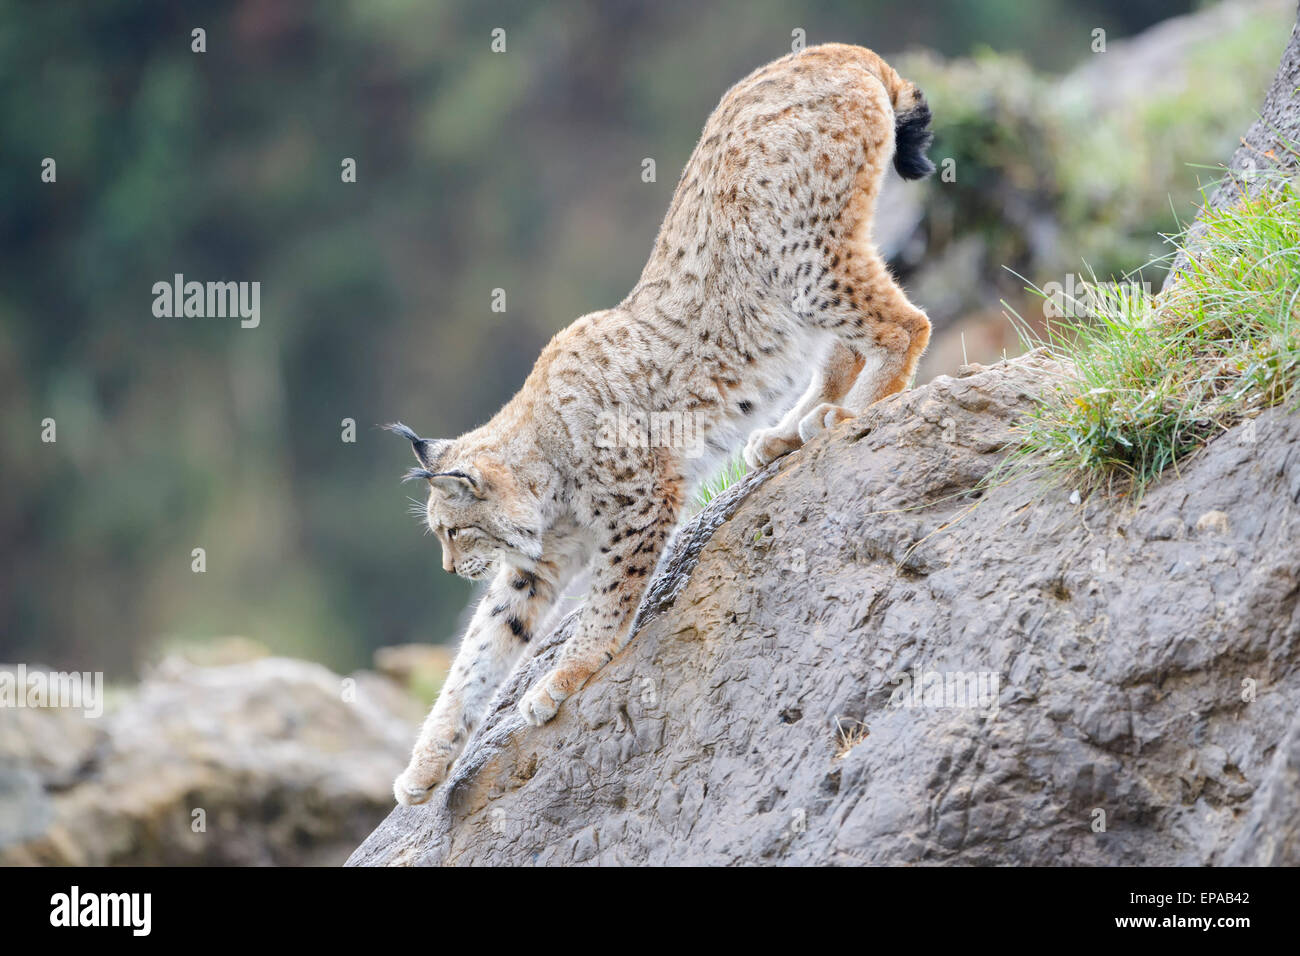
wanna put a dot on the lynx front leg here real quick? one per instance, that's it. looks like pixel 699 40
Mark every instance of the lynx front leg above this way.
pixel 515 603
pixel 619 576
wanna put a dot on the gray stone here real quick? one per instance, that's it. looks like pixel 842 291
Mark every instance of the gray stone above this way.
pixel 287 764
pixel 1120 651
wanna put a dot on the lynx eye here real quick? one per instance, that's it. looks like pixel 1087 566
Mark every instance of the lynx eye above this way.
pixel 451 533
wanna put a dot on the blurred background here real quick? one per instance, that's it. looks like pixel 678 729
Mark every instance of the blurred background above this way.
pixel 1070 135
pixel 475 171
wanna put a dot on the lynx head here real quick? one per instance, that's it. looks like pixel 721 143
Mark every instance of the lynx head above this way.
pixel 475 507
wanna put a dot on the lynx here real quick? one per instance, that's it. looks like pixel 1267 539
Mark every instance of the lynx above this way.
pixel 763 268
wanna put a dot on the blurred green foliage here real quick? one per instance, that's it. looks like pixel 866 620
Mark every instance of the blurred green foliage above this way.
pixel 475 171
pixel 1057 172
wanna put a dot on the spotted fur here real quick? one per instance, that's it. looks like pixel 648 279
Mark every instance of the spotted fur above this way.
pixel 763 269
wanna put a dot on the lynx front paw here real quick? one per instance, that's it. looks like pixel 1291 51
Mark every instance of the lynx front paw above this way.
pixel 416 784
pixel 768 444
pixel 539 705
pixel 822 417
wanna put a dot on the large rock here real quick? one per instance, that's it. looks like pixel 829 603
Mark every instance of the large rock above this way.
pixel 1145 662
pixel 287 763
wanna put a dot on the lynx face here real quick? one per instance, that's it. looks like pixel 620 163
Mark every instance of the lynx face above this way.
pixel 475 509
pixel 471 546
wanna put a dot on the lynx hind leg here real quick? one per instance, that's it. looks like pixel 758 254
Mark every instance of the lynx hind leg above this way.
pixel 830 383
pixel 891 333
pixel 515 604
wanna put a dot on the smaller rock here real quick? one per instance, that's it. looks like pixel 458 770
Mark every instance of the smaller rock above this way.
pixel 218 652
pixel 271 761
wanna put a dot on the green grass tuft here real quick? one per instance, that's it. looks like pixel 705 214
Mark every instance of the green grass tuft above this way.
pixel 728 475
pixel 1154 376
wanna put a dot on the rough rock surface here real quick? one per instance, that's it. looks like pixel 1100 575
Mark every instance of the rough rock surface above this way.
pixel 289 765
pixel 1145 658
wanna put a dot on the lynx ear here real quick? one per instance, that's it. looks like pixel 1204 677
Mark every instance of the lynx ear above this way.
pixel 454 484
pixel 427 450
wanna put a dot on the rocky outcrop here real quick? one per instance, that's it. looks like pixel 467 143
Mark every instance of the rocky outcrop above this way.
pixel 271 761
pixel 868 652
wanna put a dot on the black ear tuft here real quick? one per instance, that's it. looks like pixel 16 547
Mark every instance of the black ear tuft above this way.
pixel 912 137
pixel 397 428
pixel 415 473
pixel 427 450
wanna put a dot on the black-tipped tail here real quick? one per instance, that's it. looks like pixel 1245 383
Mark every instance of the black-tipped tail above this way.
pixel 912 137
